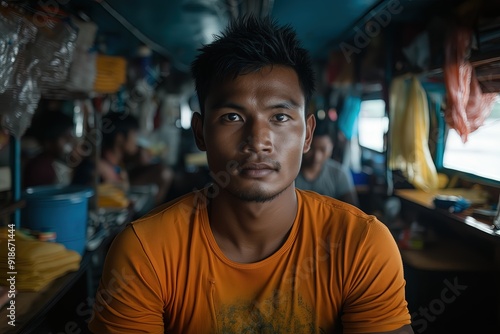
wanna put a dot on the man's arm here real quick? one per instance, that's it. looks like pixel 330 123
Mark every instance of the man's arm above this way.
pixel 375 286
pixel 129 298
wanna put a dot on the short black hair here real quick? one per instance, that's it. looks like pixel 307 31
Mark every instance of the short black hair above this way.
pixel 115 123
pixel 247 45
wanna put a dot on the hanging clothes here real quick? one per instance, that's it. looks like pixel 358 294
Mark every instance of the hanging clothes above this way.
pixel 348 116
pixel 409 133
pixel 466 105
pixel 347 124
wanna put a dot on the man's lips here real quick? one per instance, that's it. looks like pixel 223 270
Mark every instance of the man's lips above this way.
pixel 257 169
pixel 256 166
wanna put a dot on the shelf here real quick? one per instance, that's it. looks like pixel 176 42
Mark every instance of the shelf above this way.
pixel 479 59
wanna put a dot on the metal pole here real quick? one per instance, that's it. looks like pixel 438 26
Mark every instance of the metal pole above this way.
pixel 15 163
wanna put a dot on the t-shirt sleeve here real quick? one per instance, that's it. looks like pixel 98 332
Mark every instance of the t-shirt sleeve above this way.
pixel 375 288
pixel 129 298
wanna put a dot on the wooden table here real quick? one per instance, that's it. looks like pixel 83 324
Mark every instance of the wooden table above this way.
pixel 463 223
pixel 463 220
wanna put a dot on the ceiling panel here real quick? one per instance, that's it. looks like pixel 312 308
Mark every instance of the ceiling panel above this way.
pixel 177 28
pixel 321 23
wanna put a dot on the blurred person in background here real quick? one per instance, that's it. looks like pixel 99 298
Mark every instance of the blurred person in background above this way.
pixel 144 168
pixel 54 132
pixel 119 139
pixel 126 163
pixel 320 173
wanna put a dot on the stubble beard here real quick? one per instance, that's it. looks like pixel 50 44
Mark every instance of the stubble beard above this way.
pixel 256 194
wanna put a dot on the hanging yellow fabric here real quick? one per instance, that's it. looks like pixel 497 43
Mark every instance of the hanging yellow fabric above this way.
pixel 409 133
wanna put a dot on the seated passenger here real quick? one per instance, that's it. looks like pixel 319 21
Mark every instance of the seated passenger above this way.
pixel 124 163
pixel 119 139
pixel 54 132
pixel 143 169
pixel 320 173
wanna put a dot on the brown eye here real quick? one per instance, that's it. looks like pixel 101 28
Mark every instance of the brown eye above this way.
pixel 231 117
pixel 281 117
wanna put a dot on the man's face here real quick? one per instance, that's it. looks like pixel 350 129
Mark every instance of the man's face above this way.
pixel 255 133
pixel 321 150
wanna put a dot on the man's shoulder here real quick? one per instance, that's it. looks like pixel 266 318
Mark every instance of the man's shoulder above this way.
pixel 331 208
pixel 340 220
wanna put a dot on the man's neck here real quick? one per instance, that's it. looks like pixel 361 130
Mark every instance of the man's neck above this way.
pixel 248 232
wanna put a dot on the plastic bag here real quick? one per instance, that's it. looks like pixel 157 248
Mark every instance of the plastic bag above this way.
pixel 54 49
pixel 36 59
pixel 19 88
pixel 15 33
pixel 19 102
pixel 82 71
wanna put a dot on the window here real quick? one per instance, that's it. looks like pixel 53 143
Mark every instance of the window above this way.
pixel 372 124
pixel 481 154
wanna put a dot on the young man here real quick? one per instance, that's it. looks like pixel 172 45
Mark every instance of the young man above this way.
pixel 251 253
pixel 322 174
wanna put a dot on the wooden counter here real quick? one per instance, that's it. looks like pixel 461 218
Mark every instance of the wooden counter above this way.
pixel 450 253
pixel 463 220
pixel 465 248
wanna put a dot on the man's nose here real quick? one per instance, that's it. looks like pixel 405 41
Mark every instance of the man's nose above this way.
pixel 258 137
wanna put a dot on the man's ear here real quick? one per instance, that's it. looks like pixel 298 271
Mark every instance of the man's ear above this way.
pixel 310 126
pixel 197 127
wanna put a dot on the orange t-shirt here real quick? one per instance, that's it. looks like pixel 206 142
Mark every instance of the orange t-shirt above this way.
pixel 338 268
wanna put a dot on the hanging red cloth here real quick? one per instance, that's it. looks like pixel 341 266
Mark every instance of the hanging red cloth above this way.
pixel 466 105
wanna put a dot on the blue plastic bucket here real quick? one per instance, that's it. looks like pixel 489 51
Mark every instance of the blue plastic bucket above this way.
pixel 60 209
